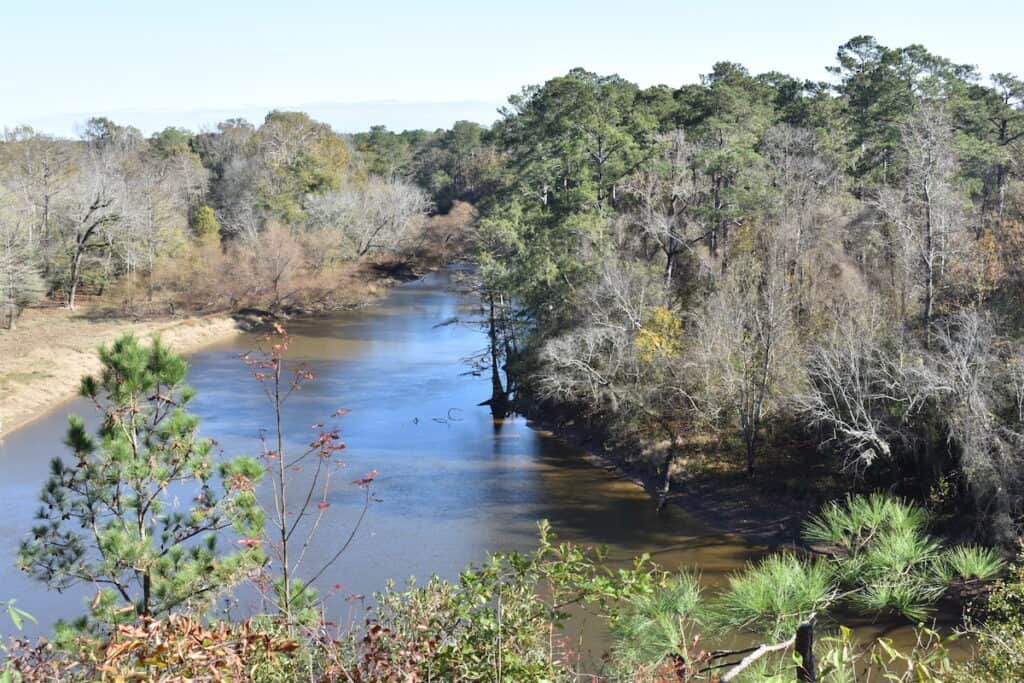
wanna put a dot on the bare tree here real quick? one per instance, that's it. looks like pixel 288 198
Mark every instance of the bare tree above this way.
pixel 37 169
pixel 377 216
pixel 926 210
pixel 806 181
pixel 662 194
pixel 231 153
pixel 20 281
pixel 158 192
pixel 746 353
pixel 266 266
pixel 95 202
pixel 624 358
pixel 954 405
pixel 864 390
pixel 969 380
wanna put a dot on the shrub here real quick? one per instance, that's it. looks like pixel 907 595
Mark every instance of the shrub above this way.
pixel 856 521
pixel 499 622
pixel 883 557
pixel 106 518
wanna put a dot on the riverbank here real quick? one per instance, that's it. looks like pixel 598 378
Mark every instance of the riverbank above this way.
pixel 43 359
pixel 709 480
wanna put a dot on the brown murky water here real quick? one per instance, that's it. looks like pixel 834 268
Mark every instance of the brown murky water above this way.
pixel 454 485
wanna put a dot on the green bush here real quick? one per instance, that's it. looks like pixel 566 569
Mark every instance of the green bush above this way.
pixel 853 523
pixel 884 559
pixel 105 518
pixel 1000 636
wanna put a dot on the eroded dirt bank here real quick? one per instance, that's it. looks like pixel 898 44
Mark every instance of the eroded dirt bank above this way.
pixel 42 360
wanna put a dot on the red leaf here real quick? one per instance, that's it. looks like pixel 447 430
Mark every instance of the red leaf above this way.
pixel 370 476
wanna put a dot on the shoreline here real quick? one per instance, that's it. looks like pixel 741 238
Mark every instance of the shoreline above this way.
pixel 37 378
pixel 735 508
pixel 43 359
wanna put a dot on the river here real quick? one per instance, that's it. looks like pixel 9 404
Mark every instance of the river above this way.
pixel 453 483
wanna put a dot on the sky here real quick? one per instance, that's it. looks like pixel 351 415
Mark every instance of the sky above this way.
pixel 412 64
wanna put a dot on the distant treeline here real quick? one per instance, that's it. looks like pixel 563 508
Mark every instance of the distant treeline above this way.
pixel 275 206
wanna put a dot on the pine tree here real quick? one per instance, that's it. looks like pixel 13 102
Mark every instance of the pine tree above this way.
pixel 139 509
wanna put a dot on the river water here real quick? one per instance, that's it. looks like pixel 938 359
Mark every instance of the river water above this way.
pixel 453 483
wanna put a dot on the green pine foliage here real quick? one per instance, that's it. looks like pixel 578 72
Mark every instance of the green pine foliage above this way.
pixel 851 524
pixel 205 225
pixel 775 595
pixel 970 562
pixel 884 558
pixel 140 506
pixel 659 624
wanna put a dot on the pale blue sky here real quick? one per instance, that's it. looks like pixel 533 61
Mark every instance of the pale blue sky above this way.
pixel 411 64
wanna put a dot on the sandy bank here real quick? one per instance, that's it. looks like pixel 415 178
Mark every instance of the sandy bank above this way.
pixel 42 361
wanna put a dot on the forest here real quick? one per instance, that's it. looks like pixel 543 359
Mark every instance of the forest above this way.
pixel 751 277
pixel 832 269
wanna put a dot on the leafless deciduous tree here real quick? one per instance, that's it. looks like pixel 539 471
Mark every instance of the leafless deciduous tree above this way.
pixel 231 153
pixel 746 355
pixel 269 264
pixel 20 281
pixel 92 209
pixel 158 193
pixel 970 381
pixel 37 169
pixel 377 216
pixel 662 196
pixel 926 211
pixel 884 399
pixel 806 181
pixel 863 390
pixel 623 358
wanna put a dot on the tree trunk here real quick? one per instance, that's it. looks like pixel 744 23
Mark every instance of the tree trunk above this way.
pixel 929 264
pixel 76 264
pixel 750 438
pixel 499 396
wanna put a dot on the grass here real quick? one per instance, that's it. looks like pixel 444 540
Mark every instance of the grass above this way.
pixel 775 595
